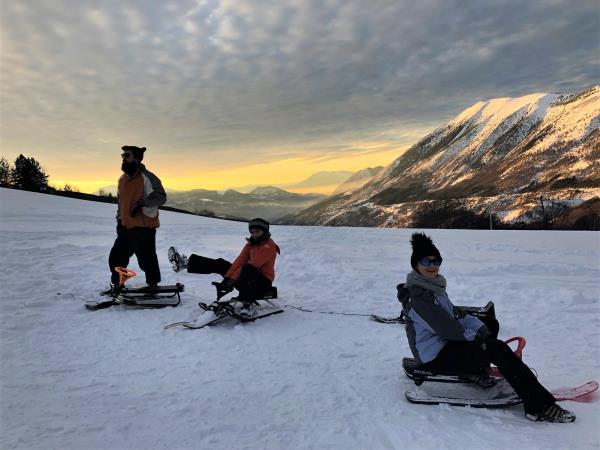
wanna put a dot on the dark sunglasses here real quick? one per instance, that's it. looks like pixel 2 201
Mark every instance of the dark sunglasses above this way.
pixel 426 262
pixel 126 155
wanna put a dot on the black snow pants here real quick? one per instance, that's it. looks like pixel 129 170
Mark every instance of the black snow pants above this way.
pixel 472 357
pixel 140 241
pixel 251 285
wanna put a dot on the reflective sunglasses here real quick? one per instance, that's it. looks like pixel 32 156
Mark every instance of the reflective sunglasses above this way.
pixel 426 262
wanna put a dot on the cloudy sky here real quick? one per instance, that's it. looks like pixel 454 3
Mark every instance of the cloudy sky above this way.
pixel 237 92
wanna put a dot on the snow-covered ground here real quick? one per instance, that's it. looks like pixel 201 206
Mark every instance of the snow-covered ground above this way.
pixel 114 379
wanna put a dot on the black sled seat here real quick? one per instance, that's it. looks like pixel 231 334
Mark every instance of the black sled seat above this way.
pixel 419 374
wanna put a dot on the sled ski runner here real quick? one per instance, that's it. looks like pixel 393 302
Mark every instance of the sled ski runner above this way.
pixel 499 395
pixel 233 308
pixel 142 297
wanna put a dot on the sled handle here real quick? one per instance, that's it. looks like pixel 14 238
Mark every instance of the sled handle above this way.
pixel 124 274
pixel 520 345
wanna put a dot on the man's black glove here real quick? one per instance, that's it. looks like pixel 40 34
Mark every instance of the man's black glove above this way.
pixel 137 208
pixel 224 287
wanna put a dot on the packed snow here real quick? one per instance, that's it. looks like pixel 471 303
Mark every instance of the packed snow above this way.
pixel 114 379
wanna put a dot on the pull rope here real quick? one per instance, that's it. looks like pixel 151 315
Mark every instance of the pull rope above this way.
pixel 326 312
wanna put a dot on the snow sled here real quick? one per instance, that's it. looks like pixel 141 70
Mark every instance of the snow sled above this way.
pixel 142 297
pixel 220 310
pixel 468 389
pixel 138 297
pixel 419 375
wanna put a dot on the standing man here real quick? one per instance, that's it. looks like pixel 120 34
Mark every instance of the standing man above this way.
pixel 139 196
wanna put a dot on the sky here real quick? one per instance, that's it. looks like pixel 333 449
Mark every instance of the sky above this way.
pixel 237 92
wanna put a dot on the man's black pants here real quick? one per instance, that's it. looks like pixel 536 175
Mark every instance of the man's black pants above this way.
pixel 252 284
pixel 140 242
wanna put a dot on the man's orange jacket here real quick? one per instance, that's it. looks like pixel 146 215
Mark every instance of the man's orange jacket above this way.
pixel 262 256
pixel 146 186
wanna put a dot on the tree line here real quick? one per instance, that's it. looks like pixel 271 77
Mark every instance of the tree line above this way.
pixel 25 173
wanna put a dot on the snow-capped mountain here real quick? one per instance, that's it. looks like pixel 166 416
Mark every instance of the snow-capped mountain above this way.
pixel 496 156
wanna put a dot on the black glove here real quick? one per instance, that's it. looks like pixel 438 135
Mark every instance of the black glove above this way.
pixel 224 287
pixel 482 336
pixel 137 208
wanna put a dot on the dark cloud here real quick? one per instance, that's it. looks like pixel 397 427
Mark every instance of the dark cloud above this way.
pixel 219 75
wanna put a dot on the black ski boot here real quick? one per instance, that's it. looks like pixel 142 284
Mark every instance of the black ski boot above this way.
pixel 553 413
pixel 112 291
pixel 178 260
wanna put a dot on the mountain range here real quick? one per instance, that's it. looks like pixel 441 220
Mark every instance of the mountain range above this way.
pixel 267 202
pixel 500 157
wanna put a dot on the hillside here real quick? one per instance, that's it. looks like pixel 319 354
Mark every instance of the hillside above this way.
pixel 357 179
pixel 114 379
pixel 497 156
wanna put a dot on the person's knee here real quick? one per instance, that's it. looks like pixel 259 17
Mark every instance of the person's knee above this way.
pixel 249 270
pixel 493 326
pixel 498 348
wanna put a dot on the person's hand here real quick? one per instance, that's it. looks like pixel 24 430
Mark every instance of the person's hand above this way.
pixel 120 228
pixel 227 284
pixel 482 336
pixel 137 208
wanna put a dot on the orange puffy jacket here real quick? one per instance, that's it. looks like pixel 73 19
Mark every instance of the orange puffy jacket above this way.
pixel 262 256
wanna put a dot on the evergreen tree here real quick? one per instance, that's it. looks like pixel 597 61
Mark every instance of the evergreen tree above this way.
pixel 4 172
pixel 29 175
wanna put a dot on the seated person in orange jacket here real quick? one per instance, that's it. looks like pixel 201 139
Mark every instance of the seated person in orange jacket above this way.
pixel 253 271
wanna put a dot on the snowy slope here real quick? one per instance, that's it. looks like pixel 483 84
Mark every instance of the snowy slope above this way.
pixel 114 379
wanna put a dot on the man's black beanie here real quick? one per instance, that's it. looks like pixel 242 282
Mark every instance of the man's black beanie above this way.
pixel 138 152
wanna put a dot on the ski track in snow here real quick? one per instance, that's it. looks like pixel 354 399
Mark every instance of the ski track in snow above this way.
pixel 114 379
